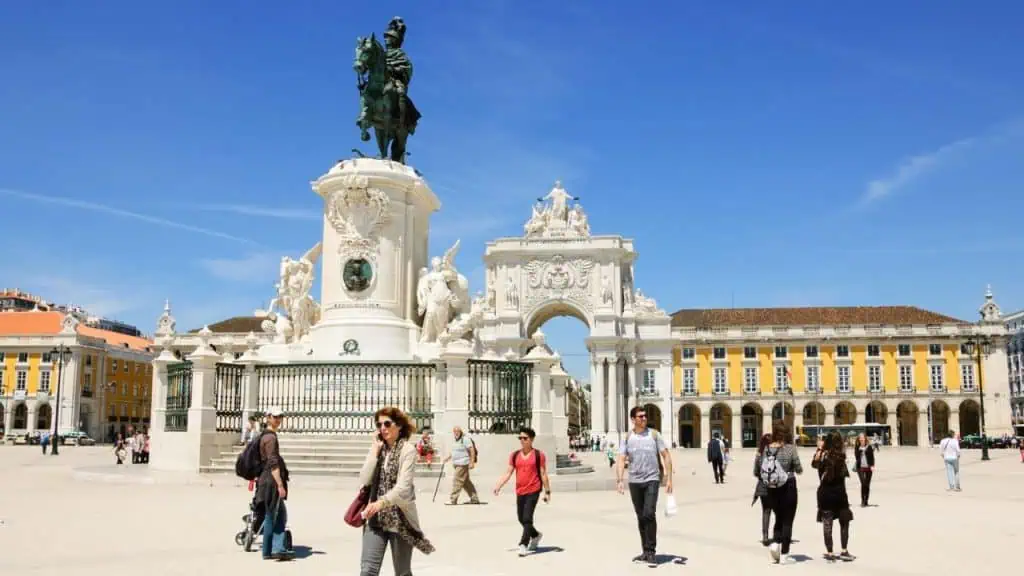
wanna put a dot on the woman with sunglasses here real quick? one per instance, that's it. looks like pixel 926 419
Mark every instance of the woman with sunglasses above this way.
pixel 391 513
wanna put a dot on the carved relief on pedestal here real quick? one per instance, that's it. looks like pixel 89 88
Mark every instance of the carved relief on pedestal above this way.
pixel 358 212
pixel 559 278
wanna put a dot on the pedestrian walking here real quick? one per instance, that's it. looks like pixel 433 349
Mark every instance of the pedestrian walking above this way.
pixel 463 456
pixel 272 490
pixel 530 468
pixel 649 464
pixel 119 451
pixel 779 466
pixel 950 450
pixel 833 502
pixel 716 456
pixel 391 515
pixel 864 460
pixel 44 440
pixel 761 490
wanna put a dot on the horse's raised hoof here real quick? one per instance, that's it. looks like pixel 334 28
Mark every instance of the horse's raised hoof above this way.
pixel 365 136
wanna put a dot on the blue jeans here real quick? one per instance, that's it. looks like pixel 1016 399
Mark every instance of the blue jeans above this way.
pixel 273 530
pixel 953 473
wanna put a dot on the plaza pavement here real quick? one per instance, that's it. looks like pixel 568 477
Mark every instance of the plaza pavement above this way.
pixel 75 513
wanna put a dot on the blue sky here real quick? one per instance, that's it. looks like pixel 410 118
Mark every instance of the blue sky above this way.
pixel 798 153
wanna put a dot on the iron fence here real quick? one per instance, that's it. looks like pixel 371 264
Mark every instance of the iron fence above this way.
pixel 179 396
pixel 338 398
pixel 227 393
pixel 499 396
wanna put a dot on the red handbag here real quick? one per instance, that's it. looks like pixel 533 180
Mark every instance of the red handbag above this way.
pixel 354 514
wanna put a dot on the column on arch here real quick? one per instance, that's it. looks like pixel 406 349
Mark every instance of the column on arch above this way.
pixel 597 404
pixel 615 405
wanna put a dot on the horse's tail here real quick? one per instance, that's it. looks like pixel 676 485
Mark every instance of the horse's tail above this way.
pixel 412 116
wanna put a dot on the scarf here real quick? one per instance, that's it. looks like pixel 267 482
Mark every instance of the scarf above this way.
pixel 392 518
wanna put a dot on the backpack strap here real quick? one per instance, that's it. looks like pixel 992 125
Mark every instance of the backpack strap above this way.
pixel 512 458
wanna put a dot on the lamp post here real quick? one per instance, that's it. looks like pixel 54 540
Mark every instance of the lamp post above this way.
pixel 62 352
pixel 980 344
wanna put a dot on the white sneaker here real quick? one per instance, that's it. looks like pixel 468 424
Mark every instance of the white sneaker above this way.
pixel 522 550
pixel 532 546
pixel 788 559
pixel 775 551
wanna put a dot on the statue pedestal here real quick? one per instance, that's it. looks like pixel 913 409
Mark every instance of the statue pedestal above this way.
pixel 376 227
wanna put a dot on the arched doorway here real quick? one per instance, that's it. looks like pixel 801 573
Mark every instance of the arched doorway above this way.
pixel 20 417
pixel 783 411
pixel 751 424
pixel 565 332
pixel 43 415
pixel 689 426
pixel 846 413
pixel 970 418
pixel 653 416
pixel 906 423
pixel 876 413
pixel 939 413
pixel 721 421
pixel 814 414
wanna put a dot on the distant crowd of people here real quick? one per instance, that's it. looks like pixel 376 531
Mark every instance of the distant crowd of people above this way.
pixel 134 443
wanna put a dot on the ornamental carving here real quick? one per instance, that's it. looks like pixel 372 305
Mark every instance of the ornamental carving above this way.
pixel 559 278
pixel 358 212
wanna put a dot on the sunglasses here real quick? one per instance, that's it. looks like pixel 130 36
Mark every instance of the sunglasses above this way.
pixel 385 424
pixel 641 416
pixel 524 438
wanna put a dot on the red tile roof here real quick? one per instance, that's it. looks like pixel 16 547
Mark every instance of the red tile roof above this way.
pixel 33 323
pixel 809 316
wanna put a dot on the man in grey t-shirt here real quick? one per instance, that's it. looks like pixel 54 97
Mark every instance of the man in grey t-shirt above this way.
pixel 649 460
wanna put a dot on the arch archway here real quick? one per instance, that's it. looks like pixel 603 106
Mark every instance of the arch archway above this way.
pixel 906 423
pixel 751 424
pixel 970 417
pixel 653 416
pixel 845 413
pixel 938 412
pixel 20 417
pixel 814 414
pixel 43 415
pixel 876 413
pixel 720 419
pixel 689 426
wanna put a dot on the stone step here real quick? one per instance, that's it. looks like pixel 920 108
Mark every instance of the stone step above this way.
pixel 327 451
pixel 574 470
pixel 293 470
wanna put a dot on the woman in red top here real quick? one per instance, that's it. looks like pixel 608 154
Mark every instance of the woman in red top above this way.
pixel 530 468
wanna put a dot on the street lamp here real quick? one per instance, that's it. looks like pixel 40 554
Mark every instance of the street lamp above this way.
pixel 63 354
pixel 981 344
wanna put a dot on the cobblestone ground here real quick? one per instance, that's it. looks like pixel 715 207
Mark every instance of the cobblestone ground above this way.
pixel 59 521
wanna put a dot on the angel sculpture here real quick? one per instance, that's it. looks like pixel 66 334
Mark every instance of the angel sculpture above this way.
pixel 293 299
pixel 442 295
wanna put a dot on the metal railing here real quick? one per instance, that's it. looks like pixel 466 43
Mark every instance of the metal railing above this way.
pixel 336 398
pixel 227 393
pixel 499 396
pixel 179 396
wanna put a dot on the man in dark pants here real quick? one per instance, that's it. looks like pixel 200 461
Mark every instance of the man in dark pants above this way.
pixel 272 491
pixel 716 456
pixel 649 461
pixel 530 467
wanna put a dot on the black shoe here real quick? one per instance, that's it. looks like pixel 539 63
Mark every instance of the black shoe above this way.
pixel 638 559
pixel 651 560
pixel 284 556
pixel 766 542
pixel 846 556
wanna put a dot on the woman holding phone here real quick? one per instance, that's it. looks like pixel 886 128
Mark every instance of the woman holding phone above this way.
pixel 391 513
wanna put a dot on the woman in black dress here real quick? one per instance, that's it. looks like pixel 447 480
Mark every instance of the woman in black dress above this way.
pixel 833 503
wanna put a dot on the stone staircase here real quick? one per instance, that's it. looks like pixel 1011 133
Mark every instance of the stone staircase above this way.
pixel 563 465
pixel 309 455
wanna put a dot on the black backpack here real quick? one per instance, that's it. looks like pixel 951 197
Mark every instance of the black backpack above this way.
pixel 249 466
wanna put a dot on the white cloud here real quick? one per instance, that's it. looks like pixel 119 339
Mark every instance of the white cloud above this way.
pixel 254 267
pixel 262 211
pixel 97 300
pixel 104 209
pixel 911 169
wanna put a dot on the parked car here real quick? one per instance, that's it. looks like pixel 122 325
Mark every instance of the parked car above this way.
pixel 76 437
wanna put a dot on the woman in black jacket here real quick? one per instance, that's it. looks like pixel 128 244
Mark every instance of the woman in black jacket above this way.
pixel 864 453
pixel 833 503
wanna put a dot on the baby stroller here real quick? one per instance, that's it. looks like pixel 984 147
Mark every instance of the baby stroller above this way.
pixel 254 527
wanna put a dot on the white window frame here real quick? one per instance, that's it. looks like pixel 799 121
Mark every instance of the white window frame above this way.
pixel 21 380
pixel 967 382
pixel 813 378
pixel 875 385
pixel 783 349
pixel 689 381
pixel 750 380
pixel 899 351
pixel 906 372
pixel 689 353
pixel 932 354
pixel 44 381
pixel 113 365
pixel 714 353
pixel 877 347
pixel 809 348
pixel 724 380
pixel 841 347
pixel 936 378
pixel 781 384
pixel 745 349
pixel 22 355
pixel 649 386
pixel 843 384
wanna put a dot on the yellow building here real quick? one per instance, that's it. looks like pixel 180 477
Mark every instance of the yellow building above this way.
pixel 104 383
pixel 735 371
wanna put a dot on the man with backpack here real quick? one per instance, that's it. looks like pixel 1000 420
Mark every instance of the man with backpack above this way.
pixel 463 455
pixel 650 464
pixel 530 468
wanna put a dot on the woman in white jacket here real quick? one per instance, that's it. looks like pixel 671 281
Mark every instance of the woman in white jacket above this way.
pixel 391 513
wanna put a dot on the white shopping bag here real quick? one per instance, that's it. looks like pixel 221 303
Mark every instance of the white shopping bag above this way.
pixel 671 509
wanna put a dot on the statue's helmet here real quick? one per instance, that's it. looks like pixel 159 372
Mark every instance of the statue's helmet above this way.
pixel 396 30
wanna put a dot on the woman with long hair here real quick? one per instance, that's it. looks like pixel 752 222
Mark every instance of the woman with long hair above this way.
pixel 833 503
pixel 761 490
pixel 864 458
pixel 391 513
pixel 780 464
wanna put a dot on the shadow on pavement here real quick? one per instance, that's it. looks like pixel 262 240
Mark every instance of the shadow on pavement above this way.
pixel 302 552
pixel 662 559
